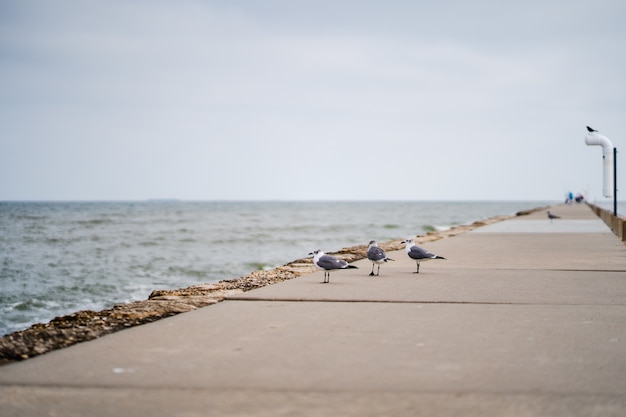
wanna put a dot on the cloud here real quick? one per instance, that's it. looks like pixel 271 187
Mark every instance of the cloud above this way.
pixel 210 99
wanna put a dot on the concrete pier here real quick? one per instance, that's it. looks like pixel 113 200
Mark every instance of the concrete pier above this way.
pixel 526 317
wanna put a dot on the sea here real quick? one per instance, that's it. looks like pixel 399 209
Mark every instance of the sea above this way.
pixel 57 258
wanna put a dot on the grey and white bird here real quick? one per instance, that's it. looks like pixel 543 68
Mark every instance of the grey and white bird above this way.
pixel 419 254
pixel 377 256
pixel 328 263
pixel 552 216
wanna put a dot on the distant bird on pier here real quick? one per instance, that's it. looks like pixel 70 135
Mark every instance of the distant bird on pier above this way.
pixel 419 254
pixel 328 263
pixel 552 216
pixel 590 129
pixel 377 256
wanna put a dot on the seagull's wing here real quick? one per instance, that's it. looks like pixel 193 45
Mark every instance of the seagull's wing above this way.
pixel 375 254
pixel 330 262
pixel 418 253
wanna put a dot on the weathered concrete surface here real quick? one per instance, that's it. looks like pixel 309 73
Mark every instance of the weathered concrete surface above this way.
pixel 515 322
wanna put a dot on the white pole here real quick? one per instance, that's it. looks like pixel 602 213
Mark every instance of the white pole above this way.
pixel 593 138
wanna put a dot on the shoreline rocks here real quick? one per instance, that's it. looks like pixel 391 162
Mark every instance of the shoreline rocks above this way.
pixel 86 325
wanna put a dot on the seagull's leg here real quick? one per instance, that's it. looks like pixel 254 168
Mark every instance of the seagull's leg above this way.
pixel 372 273
pixel 377 271
pixel 418 267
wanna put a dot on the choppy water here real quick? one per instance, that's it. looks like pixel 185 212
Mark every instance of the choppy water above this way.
pixel 61 257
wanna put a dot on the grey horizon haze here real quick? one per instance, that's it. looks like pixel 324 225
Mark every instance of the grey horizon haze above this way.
pixel 308 100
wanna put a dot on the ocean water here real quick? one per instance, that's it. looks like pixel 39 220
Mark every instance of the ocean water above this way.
pixel 607 204
pixel 60 257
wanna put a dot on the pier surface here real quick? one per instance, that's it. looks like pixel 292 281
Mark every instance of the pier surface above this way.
pixel 526 317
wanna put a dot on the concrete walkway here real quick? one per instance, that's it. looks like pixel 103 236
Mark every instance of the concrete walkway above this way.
pixel 527 317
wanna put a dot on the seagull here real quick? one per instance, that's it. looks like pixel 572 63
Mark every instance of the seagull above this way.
pixel 419 254
pixel 377 256
pixel 327 263
pixel 552 216
pixel 591 129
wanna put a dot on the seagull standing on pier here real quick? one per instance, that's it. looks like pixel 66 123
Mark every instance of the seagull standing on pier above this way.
pixel 328 263
pixel 377 256
pixel 419 254
pixel 552 216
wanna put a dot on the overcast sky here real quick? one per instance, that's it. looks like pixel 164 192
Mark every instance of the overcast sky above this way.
pixel 350 100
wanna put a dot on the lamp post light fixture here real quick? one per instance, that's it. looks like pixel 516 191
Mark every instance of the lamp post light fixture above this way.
pixel 609 158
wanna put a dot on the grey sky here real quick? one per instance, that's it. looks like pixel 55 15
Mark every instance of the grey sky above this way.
pixel 118 100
